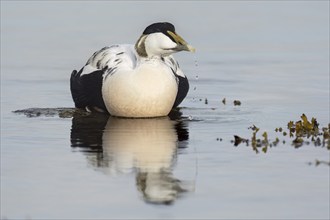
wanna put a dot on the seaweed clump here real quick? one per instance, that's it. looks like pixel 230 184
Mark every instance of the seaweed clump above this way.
pixel 51 112
pixel 302 132
pixel 305 129
pixel 256 142
pixel 237 102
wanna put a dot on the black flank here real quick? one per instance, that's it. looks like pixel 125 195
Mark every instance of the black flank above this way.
pixel 183 89
pixel 86 90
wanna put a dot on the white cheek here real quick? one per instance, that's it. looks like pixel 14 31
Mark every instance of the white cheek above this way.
pixel 158 44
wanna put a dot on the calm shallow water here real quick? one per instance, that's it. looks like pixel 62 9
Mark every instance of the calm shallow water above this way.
pixel 273 57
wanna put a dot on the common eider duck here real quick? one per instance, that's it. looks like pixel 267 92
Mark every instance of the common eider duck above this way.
pixel 136 81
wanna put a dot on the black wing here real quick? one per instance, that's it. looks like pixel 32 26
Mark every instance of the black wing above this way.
pixel 183 88
pixel 182 80
pixel 86 90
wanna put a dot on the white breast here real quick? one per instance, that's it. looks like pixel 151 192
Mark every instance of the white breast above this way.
pixel 149 90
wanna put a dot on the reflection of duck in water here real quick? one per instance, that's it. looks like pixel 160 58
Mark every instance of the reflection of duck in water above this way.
pixel 147 146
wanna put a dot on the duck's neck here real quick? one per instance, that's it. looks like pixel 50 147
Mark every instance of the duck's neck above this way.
pixel 141 50
pixel 140 46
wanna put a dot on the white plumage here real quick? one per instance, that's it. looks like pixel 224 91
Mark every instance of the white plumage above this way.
pixel 134 81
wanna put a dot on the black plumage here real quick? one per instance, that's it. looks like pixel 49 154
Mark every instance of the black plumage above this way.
pixel 86 90
pixel 162 27
pixel 183 88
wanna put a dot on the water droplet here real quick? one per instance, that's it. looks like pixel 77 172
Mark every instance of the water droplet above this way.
pixel 196 63
pixel 190 118
pixel 196 77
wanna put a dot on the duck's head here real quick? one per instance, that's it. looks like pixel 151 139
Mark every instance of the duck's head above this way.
pixel 160 39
